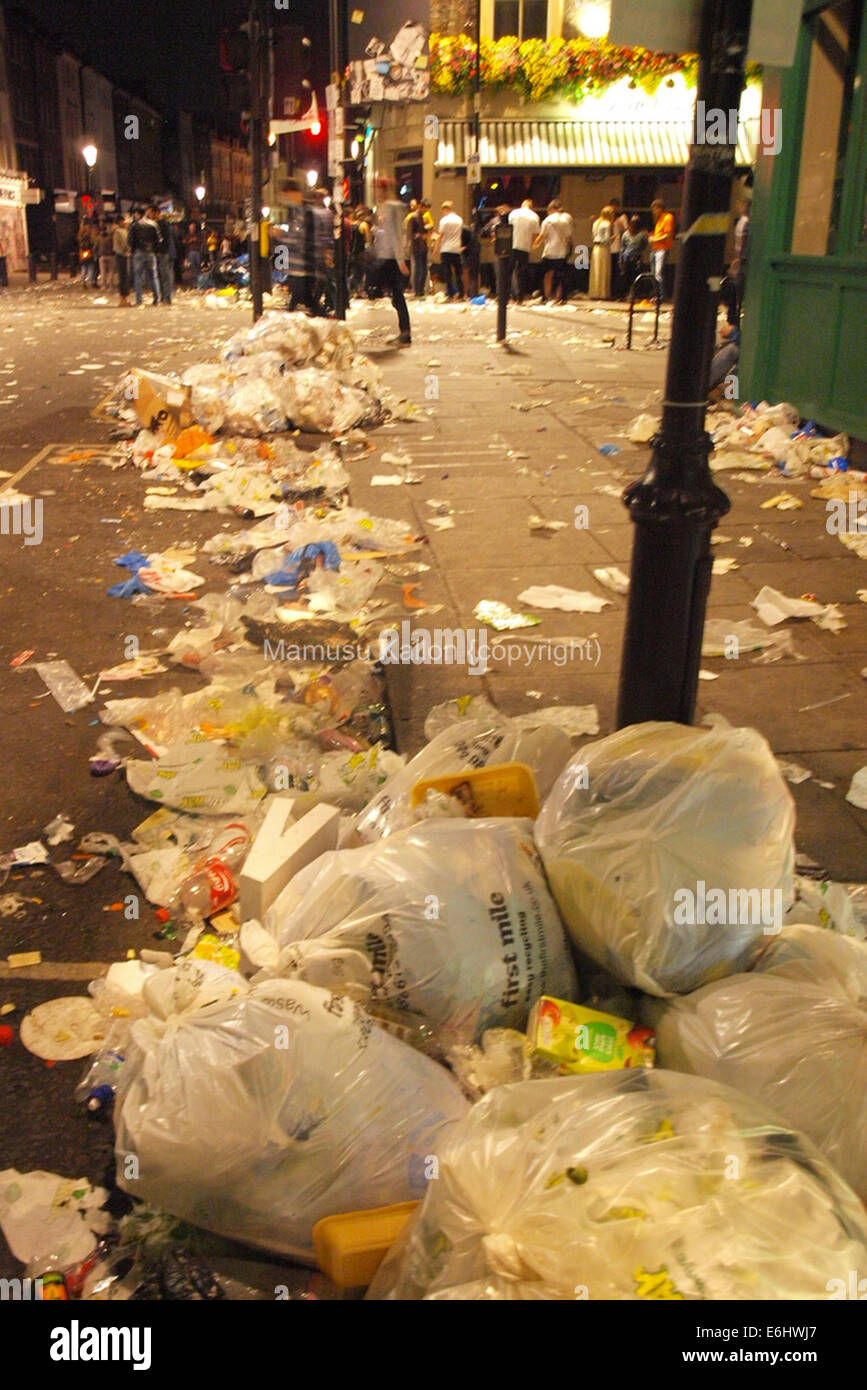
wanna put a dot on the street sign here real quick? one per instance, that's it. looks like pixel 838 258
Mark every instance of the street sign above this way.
pixel 672 26
pixel 474 168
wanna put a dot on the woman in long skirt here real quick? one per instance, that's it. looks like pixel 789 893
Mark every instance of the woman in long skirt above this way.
pixel 600 256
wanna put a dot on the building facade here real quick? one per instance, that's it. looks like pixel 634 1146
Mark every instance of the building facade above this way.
pixel 805 318
pixel 559 117
pixel 138 130
pixel 97 105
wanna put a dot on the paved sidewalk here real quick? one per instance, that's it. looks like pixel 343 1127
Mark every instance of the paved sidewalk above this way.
pixel 505 433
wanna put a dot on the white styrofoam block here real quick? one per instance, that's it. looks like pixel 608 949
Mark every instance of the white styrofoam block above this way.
pixel 282 848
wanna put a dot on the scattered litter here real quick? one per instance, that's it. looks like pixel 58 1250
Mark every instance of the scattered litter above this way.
pixel 58 830
pixel 783 501
pixel 539 523
pixel 609 449
pixel 708 675
pixel 612 578
pixel 793 772
pixel 569 600
pixel 63 1029
pixel 643 428
pixel 386 480
pixel 822 703
pixel 34 852
pixel 732 639
pixel 441 523
pixel 138 668
pixel 19 959
pixel 501 617
pixel 724 563
pixel 774 607
pixel 45 1217
pixel 20 659
pixel 68 689
pixel 857 793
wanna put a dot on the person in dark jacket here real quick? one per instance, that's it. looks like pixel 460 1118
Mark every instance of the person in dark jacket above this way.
pixel 165 267
pixel 144 243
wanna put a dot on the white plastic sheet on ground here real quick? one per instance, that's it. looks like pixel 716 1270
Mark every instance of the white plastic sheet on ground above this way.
pixel 254 1112
pixel 481 734
pixel 449 921
pixel 792 1033
pixel 644 825
pixel 626 1186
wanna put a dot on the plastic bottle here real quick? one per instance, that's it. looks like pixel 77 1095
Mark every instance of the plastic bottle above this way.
pixel 212 886
pixel 99 1083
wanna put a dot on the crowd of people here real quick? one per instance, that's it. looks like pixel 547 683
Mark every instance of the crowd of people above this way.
pixel 146 253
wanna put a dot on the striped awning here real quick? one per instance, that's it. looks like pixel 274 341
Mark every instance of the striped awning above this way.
pixel 577 144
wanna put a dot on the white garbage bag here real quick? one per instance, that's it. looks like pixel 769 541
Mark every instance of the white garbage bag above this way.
pixel 669 851
pixel 254 1112
pixel 543 740
pixel 626 1185
pixel 792 1033
pixel 451 922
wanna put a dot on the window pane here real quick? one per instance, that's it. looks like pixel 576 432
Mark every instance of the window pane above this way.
pixel 535 19
pixel 506 18
pixel 826 128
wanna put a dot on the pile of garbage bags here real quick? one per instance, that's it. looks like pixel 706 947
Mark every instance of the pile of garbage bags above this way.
pixel 632 1185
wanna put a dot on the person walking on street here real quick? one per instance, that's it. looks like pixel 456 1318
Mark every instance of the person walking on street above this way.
pixel 619 224
pixel 448 246
pixel 120 247
pixel 525 226
pixel 194 252
pixel 556 237
pixel 632 248
pixel 600 256
pixel 165 268
pixel 418 228
pixel 391 253
pixel 105 247
pixel 742 239
pixel 661 240
pixel 87 253
pixel 144 241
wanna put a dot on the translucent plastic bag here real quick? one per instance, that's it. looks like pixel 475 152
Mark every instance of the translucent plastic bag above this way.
pixel 255 1112
pixel 544 744
pixel 452 922
pixel 792 1033
pixel 669 851
pixel 626 1185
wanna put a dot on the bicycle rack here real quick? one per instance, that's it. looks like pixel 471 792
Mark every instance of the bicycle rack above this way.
pixel 644 275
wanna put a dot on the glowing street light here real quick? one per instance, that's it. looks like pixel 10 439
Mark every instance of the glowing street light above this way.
pixel 200 192
pixel 593 18
pixel 89 154
pixel 312 178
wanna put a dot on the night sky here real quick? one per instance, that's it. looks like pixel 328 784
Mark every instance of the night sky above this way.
pixel 166 50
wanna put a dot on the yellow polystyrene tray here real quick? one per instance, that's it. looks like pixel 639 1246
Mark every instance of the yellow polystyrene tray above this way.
pixel 503 789
pixel 350 1247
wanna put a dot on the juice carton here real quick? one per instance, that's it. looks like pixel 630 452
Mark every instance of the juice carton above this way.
pixel 583 1040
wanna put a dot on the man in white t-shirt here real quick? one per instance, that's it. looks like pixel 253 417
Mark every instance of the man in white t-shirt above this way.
pixel 556 237
pixel 448 239
pixel 524 223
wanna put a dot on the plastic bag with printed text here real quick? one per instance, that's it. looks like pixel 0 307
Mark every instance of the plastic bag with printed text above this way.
pixel 451 922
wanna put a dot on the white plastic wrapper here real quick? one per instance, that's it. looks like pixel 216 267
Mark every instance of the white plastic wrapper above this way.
pixel 793 1034
pixel 626 1185
pixel 450 922
pixel 669 851
pixel 208 383
pixel 543 740
pixel 254 1112
pixel 199 776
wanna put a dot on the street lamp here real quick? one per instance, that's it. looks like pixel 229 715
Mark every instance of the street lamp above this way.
pixel 200 192
pixel 312 178
pixel 89 154
pixel 593 18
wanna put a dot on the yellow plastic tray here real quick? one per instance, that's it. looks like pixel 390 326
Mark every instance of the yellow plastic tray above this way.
pixel 503 789
pixel 350 1247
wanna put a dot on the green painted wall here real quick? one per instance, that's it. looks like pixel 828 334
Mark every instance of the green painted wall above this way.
pixel 805 317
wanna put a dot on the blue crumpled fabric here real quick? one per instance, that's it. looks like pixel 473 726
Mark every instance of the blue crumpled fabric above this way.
pixel 134 560
pixel 287 576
